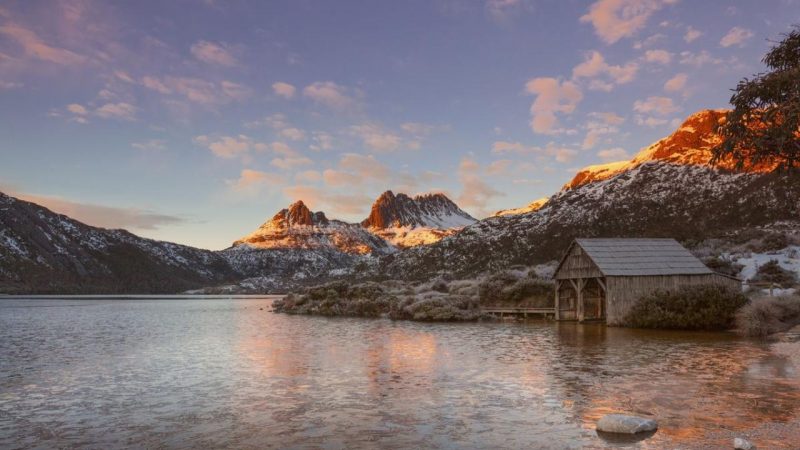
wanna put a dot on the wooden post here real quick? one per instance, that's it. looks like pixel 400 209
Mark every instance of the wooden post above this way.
pixel 580 299
pixel 558 303
pixel 604 299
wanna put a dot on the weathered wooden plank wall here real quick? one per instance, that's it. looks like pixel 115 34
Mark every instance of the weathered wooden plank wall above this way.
pixel 577 264
pixel 624 292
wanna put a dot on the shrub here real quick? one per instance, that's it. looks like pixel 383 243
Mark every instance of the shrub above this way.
pixel 506 287
pixel 434 300
pixel 767 315
pixel 772 272
pixel 762 242
pixel 437 307
pixel 775 241
pixel 723 265
pixel 705 307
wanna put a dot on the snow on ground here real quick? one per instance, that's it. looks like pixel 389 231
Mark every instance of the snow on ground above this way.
pixel 12 244
pixel 412 236
pixel 788 258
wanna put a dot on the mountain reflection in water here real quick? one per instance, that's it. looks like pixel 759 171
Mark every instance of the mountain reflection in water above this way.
pixel 110 373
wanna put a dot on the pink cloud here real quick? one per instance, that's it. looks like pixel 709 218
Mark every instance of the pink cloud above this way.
pixel 329 94
pixel 212 53
pixel 253 181
pixel 617 19
pixel 552 96
pixel 284 90
pixel 736 36
pixel 676 83
pixel 35 47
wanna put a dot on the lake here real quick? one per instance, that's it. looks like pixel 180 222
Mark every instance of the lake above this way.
pixel 228 373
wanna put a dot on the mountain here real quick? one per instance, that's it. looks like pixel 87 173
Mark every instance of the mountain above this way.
pixel 45 252
pixel 411 221
pixel 667 190
pixel 297 227
pixel 298 246
pixel 689 145
pixel 531 207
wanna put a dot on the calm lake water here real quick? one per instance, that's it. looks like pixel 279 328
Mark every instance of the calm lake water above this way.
pixel 225 373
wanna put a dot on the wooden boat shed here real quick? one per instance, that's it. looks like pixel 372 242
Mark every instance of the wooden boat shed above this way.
pixel 601 279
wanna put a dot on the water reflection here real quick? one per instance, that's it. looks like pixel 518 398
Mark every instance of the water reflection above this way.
pixel 217 373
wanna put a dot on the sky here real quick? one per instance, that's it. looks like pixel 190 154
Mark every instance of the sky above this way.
pixel 195 121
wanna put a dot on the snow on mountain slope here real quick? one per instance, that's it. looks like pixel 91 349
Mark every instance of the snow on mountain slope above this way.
pixel 531 207
pixel 690 144
pixel 408 222
pixel 669 190
pixel 41 251
pixel 653 200
pixel 298 228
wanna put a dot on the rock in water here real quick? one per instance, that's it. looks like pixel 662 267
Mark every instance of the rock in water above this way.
pixel 620 423
pixel 743 444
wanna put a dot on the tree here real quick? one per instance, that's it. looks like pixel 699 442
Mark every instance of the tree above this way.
pixel 764 126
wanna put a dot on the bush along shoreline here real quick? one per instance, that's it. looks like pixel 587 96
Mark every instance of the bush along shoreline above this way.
pixel 436 300
pixel 704 307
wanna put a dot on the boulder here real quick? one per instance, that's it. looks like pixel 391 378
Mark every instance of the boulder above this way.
pixel 743 444
pixel 620 423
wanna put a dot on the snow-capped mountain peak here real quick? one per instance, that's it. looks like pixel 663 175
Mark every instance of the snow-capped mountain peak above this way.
pixel 410 221
pixel 432 210
pixel 297 227
pixel 691 145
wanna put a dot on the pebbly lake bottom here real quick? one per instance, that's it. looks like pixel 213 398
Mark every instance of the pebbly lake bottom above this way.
pixel 204 372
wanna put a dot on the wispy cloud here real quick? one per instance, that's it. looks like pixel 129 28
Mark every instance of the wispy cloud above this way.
pixel 552 150
pixel 33 46
pixel 475 194
pixel 197 90
pixel 330 94
pixel 658 56
pixel 676 83
pixel 213 53
pixel 76 112
pixel 124 111
pixel 229 147
pixel 251 182
pixel 284 90
pixel 691 34
pixel 103 216
pixel 655 104
pixel 150 145
pixel 736 36
pixel 604 76
pixel 281 125
pixel 375 137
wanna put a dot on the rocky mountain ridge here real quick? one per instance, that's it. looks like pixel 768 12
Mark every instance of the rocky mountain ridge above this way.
pixel 689 145
pixel 297 227
pixel 408 222
pixel 669 189
pixel 45 252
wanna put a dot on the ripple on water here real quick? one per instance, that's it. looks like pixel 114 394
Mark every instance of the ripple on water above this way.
pixel 222 373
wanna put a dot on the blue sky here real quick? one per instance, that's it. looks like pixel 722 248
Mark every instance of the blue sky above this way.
pixel 193 121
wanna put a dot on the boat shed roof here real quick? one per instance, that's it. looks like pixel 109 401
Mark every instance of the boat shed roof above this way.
pixel 641 257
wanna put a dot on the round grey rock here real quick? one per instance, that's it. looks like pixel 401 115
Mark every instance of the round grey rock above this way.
pixel 620 423
pixel 743 444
